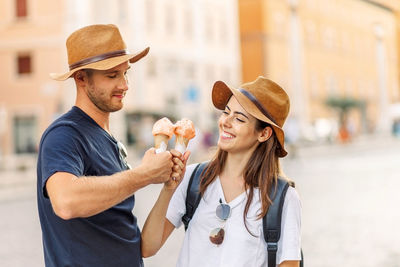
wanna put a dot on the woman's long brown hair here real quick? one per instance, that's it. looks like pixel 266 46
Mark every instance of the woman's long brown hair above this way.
pixel 261 171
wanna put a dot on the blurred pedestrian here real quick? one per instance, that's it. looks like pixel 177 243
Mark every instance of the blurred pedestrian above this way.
pixel 85 186
pixel 238 180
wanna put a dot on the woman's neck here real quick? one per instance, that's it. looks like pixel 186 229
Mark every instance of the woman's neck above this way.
pixel 235 164
pixel 231 177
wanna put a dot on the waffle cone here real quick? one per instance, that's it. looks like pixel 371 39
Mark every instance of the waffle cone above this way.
pixel 160 142
pixel 181 143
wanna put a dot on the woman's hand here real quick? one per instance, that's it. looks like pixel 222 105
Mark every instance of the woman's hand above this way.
pixel 178 170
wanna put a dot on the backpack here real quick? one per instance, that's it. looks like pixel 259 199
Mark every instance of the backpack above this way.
pixel 271 221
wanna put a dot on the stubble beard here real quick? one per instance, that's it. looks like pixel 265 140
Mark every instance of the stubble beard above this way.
pixel 100 101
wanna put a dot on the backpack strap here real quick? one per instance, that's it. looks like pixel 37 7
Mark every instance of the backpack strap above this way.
pixel 193 195
pixel 272 220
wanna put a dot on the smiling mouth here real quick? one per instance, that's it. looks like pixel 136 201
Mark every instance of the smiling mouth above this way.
pixel 122 95
pixel 226 135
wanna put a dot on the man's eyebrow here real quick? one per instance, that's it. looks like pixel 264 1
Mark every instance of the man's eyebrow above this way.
pixel 110 71
pixel 116 71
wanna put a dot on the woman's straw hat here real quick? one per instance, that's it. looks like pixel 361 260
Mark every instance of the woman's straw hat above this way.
pixel 263 99
pixel 99 47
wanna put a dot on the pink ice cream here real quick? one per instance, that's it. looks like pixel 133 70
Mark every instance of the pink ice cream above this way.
pixel 184 131
pixel 163 129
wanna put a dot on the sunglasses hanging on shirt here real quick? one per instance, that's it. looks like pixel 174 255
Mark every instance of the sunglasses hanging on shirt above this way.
pixel 123 154
pixel 223 212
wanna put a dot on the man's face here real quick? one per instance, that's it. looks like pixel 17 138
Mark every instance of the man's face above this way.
pixel 107 88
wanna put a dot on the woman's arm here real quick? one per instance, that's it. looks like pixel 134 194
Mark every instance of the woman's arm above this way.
pixel 290 264
pixel 157 228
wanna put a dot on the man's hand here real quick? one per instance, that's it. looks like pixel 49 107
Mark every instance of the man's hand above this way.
pixel 156 167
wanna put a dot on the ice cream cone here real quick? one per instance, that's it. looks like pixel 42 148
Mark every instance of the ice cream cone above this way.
pixel 161 143
pixel 181 143
pixel 184 131
pixel 163 129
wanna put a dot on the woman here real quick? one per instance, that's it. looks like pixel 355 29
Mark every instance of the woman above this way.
pixel 241 175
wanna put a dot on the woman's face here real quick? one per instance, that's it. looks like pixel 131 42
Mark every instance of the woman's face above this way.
pixel 237 129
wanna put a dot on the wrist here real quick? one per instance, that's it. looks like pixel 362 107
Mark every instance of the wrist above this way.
pixel 168 189
pixel 138 177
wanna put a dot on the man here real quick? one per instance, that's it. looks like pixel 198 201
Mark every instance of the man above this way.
pixel 85 186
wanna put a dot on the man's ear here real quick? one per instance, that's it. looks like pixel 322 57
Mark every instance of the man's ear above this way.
pixel 265 134
pixel 80 77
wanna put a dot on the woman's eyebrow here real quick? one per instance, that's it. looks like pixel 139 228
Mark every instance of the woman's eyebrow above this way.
pixel 240 113
pixel 237 112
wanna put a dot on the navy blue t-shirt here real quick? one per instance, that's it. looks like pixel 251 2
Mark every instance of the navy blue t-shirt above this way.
pixel 76 144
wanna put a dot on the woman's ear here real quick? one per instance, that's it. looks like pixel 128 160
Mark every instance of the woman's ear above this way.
pixel 265 134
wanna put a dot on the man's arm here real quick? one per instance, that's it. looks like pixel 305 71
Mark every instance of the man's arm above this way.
pixel 73 196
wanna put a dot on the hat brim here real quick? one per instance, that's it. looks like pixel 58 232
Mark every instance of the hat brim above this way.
pixel 221 93
pixel 103 64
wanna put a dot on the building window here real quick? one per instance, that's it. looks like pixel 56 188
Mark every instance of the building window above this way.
pixel 209 28
pixel 190 71
pixel 150 14
pixel 169 19
pixel 329 37
pixel 102 11
pixel 188 24
pixel 210 72
pixel 151 67
pixel 122 11
pixel 331 85
pixel 24 63
pixel 21 8
pixel 223 31
pixel 24 134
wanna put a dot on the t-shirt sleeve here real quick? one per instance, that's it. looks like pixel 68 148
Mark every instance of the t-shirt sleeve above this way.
pixel 177 207
pixel 289 247
pixel 61 151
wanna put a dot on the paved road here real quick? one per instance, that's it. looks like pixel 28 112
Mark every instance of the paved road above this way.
pixel 350 203
pixel 350 208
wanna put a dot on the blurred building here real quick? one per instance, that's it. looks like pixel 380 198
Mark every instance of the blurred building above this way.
pixel 342 50
pixel 192 44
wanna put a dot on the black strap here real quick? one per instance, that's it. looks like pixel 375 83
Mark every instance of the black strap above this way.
pixel 272 220
pixel 193 195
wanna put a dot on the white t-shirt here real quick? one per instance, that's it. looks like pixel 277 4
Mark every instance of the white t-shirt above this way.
pixel 239 247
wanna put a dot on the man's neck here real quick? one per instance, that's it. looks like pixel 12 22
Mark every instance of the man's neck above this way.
pixel 100 117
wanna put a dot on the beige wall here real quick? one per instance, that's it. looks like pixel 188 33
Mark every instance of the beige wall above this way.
pixel 317 49
pixel 202 44
pixel 31 94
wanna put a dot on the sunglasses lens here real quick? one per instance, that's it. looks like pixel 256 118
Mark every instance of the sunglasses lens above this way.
pixel 223 211
pixel 217 236
pixel 122 150
pixel 123 153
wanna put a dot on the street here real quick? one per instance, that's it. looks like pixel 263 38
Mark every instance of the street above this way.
pixel 349 197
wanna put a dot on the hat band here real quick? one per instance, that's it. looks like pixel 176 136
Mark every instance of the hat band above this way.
pixel 258 104
pixel 97 58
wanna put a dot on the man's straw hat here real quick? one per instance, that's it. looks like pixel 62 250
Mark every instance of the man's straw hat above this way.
pixel 263 99
pixel 99 47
